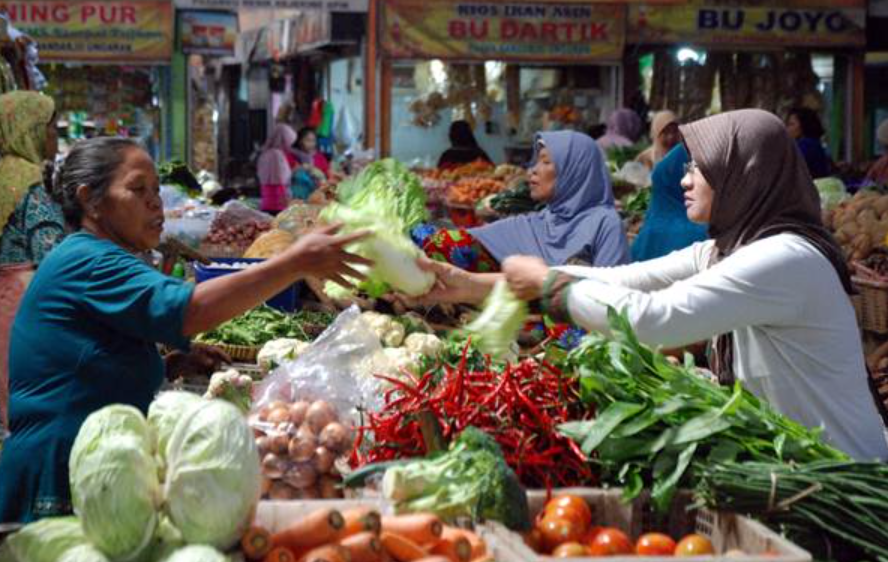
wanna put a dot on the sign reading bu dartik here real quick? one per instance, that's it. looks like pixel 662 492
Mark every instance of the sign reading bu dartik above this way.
pixel 96 30
pixel 803 23
pixel 518 30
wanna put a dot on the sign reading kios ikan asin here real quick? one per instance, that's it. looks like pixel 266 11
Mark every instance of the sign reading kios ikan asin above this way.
pixel 802 23
pixel 528 31
pixel 137 31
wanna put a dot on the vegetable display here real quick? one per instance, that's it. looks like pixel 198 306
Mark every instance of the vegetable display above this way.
pixel 656 418
pixel 386 177
pixel 520 406
pixel 471 190
pixel 860 223
pixel 238 235
pixel 177 173
pixel 514 201
pixel 233 387
pixel 836 507
pixel 263 324
pixel 46 540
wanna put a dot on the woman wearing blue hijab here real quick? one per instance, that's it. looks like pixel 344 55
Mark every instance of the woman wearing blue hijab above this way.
pixel 579 223
pixel 666 226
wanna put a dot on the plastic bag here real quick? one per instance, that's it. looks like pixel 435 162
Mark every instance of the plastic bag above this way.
pixel 297 218
pixel 235 213
pixel 304 411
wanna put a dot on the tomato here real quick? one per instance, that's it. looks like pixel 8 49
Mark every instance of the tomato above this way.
pixel 559 531
pixel 574 502
pixel 567 512
pixel 694 545
pixel 534 539
pixel 570 550
pixel 655 544
pixel 611 542
pixel 590 534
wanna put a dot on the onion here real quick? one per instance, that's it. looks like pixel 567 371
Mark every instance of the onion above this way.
pixel 263 413
pixel 263 444
pixel 308 494
pixel 281 491
pixel 302 448
pixel 324 459
pixel 302 475
pixel 279 416
pixel 266 486
pixel 319 415
pixel 279 443
pixel 272 466
pixel 298 411
pixel 329 488
pixel 335 437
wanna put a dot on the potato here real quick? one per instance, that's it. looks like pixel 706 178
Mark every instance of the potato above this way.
pixel 867 217
pixel 851 229
pixel 880 205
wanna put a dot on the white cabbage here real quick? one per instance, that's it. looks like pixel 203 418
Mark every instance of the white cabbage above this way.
pixel 213 480
pixel 114 483
pixel 197 553
pixel 43 541
pixel 83 553
pixel 163 414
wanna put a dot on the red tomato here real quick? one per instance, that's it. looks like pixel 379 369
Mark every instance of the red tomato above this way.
pixel 567 512
pixel 534 539
pixel 559 531
pixel 655 544
pixel 570 550
pixel 574 502
pixel 591 533
pixel 611 542
pixel 694 545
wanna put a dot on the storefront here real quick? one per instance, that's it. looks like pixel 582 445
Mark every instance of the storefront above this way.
pixel 509 69
pixel 106 64
pixel 702 57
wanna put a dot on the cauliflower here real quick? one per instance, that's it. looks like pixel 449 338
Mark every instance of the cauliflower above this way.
pixel 390 332
pixel 427 345
pixel 233 387
pixel 277 351
pixel 401 359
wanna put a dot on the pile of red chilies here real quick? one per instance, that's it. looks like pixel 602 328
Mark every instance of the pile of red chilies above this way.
pixel 520 407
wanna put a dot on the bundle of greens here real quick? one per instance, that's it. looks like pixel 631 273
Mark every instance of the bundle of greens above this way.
pixel 386 200
pixel 470 480
pixel 655 418
pixel 514 201
pixel 177 173
pixel 836 509
pixel 636 204
pixel 256 328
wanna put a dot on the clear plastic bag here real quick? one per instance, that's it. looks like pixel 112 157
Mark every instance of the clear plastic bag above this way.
pixel 304 412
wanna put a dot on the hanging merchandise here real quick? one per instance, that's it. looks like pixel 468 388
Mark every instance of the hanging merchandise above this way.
pixel 325 130
pixel 317 114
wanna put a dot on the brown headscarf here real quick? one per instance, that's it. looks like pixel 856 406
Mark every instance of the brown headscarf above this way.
pixel 762 188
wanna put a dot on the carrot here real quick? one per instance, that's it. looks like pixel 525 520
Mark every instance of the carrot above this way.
pixel 479 549
pixel 485 558
pixel 280 554
pixel 314 530
pixel 256 543
pixel 401 548
pixel 327 553
pixel 359 520
pixel 422 528
pixel 435 558
pixel 363 547
pixel 454 547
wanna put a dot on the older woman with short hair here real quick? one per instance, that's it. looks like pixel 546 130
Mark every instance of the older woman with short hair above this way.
pixel 87 331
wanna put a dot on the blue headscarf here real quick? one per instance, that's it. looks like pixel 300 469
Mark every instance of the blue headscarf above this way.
pixel 580 220
pixel 666 226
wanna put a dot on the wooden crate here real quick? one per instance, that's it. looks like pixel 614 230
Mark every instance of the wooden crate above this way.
pixel 726 531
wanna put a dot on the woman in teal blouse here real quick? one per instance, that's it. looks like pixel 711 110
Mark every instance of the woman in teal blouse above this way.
pixel 87 330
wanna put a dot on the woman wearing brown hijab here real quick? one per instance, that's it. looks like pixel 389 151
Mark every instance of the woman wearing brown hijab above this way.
pixel 770 286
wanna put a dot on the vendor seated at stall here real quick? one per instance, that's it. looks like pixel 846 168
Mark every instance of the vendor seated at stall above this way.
pixel 771 286
pixel 664 137
pixel 579 223
pixel 464 147
pixel 87 331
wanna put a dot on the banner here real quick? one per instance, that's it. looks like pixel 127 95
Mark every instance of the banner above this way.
pixel 799 23
pixel 235 5
pixel 208 33
pixel 135 31
pixel 526 31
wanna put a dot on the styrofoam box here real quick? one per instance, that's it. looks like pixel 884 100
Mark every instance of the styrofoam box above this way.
pixel 727 531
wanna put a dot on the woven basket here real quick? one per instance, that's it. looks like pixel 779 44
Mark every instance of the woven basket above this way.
pixel 872 303
pixel 240 353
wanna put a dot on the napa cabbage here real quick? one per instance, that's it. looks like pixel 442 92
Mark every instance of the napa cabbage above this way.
pixel 212 478
pixel 495 330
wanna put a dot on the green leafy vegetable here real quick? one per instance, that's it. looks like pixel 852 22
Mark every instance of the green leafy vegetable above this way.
pixel 46 540
pixel 197 553
pixel 496 329
pixel 261 325
pixel 83 553
pixel 391 180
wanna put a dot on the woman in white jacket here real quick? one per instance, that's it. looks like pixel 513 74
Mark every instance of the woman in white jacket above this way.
pixel 771 287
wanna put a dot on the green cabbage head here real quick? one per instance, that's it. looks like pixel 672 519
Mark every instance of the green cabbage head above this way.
pixel 212 479
pixel 114 485
pixel 163 414
pixel 197 553
pixel 83 553
pixel 43 541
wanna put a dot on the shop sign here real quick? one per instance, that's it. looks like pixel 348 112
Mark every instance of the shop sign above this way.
pixel 235 5
pixel 517 30
pixel 799 23
pixel 208 33
pixel 136 31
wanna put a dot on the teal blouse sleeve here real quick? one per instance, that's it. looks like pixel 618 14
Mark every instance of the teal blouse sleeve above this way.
pixel 129 296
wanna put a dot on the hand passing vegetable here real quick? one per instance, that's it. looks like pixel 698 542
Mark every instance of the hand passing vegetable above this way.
pixel 321 253
pixel 526 276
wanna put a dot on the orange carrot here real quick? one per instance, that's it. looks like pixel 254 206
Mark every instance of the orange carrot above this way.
pixel 256 543
pixel 359 520
pixel 363 547
pixel 280 554
pixel 479 549
pixel 316 529
pixel 435 558
pixel 422 528
pixel 485 558
pixel 327 553
pixel 454 547
pixel 401 548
